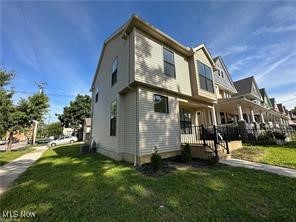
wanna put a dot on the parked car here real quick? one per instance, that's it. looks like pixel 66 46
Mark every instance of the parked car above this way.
pixel 3 142
pixel 63 140
pixel 44 140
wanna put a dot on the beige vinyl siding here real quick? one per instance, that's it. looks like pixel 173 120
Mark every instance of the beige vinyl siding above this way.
pixel 130 122
pixel 109 145
pixel 149 66
pixel 157 129
pixel 201 56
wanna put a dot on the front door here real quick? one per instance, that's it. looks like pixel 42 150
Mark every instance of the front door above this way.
pixel 200 117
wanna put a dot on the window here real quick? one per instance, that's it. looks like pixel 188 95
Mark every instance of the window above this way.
pixel 169 63
pixel 185 122
pixel 113 115
pixel 161 104
pixel 205 77
pixel 114 71
pixel 97 94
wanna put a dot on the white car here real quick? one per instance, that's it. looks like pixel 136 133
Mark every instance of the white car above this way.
pixel 63 140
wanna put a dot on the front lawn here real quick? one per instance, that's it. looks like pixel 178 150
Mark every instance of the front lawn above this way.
pixel 6 157
pixel 284 155
pixel 66 186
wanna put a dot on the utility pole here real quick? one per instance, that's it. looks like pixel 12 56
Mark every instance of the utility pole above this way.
pixel 41 86
pixel 35 123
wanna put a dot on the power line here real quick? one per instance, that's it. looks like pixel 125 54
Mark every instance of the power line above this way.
pixel 30 36
pixel 49 94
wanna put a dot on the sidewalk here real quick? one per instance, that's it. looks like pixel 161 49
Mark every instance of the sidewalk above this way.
pixel 11 171
pixel 260 166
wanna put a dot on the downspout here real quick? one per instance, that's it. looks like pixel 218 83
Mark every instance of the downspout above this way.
pixel 137 128
pixel 137 97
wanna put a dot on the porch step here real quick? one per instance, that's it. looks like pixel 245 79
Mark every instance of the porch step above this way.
pixel 222 153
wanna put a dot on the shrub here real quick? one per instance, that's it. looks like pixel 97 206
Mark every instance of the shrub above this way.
pixel 155 160
pixel 265 139
pixel 186 153
pixel 279 136
pixel 213 160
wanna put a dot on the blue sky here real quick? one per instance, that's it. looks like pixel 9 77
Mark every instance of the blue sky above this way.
pixel 59 42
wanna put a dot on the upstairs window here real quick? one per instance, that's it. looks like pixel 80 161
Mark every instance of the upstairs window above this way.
pixel 169 63
pixel 205 77
pixel 113 115
pixel 97 94
pixel 161 104
pixel 114 71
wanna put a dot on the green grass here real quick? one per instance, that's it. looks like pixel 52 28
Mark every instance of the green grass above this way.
pixel 6 157
pixel 66 186
pixel 284 155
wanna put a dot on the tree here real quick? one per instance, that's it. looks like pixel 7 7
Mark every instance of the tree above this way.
pixel 74 114
pixel 54 129
pixel 6 105
pixel 294 110
pixel 20 116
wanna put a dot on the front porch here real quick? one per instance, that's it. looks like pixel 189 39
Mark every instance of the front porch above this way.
pixel 254 115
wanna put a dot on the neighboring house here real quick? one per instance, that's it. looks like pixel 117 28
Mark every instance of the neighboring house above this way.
pixel 147 87
pixel 265 99
pixel 245 104
pixel 67 131
pixel 225 89
pixel 86 130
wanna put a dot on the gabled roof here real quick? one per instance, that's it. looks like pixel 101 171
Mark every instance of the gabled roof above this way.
pixel 136 21
pixel 264 95
pixel 247 86
pixel 272 100
pixel 204 48
pixel 285 110
pixel 226 82
pixel 280 107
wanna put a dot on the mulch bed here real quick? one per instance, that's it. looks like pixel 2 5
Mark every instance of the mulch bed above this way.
pixel 171 164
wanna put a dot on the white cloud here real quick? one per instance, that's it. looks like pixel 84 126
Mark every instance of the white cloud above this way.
pixel 275 65
pixel 273 30
pixel 236 24
pixel 234 50
pixel 285 13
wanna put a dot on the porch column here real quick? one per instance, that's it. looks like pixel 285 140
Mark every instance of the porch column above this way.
pixel 214 116
pixel 196 119
pixel 262 118
pixel 218 116
pixel 252 116
pixel 248 118
pixel 240 113
pixel 281 121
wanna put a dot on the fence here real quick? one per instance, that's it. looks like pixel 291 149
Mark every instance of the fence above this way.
pixel 221 135
pixel 200 135
pixel 258 136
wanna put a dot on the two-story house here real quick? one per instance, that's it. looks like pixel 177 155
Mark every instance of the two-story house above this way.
pixel 146 90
